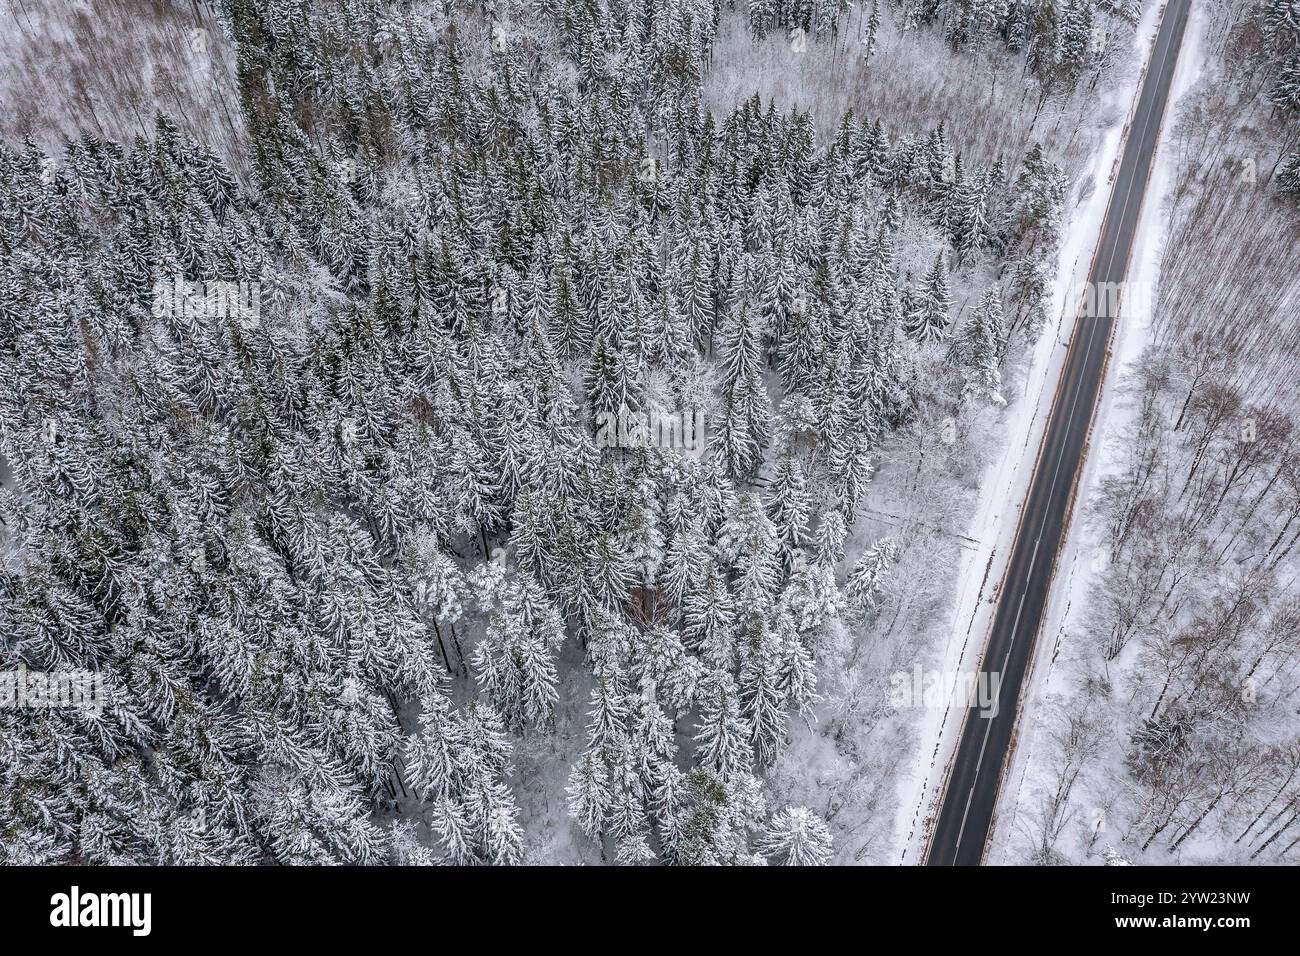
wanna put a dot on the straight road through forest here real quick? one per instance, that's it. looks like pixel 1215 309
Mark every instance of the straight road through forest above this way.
pixel 972 788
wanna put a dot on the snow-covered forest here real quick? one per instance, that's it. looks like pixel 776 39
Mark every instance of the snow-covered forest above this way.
pixel 1177 738
pixel 532 432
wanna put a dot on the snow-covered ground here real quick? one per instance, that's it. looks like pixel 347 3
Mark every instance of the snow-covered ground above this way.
pixel 104 68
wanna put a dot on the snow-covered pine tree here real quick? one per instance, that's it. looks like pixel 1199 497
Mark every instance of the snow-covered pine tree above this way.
pixel 929 317
pixel 977 349
pixel 797 837
pixel 864 585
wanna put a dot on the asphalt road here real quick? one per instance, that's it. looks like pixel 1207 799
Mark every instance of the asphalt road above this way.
pixel 972 789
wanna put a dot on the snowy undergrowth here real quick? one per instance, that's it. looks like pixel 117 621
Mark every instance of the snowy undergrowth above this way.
pixel 107 66
pixel 912 80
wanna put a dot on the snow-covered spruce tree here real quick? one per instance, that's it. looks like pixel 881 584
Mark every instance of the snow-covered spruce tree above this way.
pixel 928 320
pixel 1288 177
pixel 865 583
pixel 977 349
pixel 797 837
pixel 514 662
